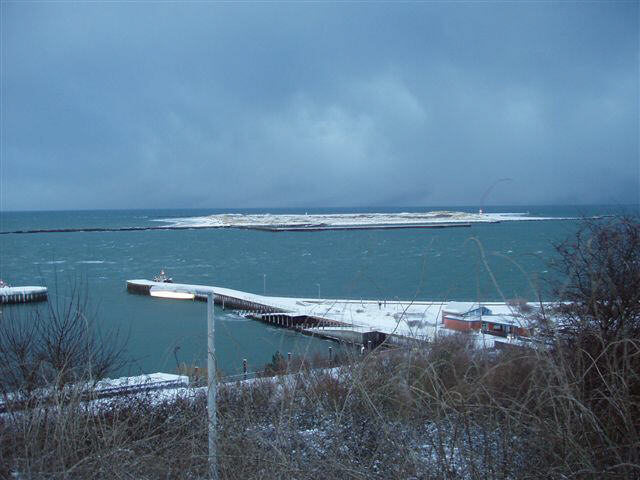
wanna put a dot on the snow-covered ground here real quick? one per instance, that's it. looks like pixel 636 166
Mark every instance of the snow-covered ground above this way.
pixel 412 319
pixel 157 387
pixel 150 381
pixel 345 220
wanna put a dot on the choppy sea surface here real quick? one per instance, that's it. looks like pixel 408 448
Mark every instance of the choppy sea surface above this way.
pixel 426 264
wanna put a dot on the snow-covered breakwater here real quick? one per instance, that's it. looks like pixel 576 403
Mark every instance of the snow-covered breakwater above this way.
pixel 22 294
pixel 310 223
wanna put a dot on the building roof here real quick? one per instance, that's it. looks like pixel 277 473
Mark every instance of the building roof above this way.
pixel 462 308
pixel 504 320
pixel 459 307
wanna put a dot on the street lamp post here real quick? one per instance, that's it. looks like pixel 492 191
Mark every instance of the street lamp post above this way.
pixel 318 290
pixel 264 284
pixel 211 390
pixel 211 370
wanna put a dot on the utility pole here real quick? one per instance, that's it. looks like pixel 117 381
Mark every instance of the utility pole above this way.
pixel 211 390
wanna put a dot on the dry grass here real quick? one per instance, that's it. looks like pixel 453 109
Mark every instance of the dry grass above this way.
pixel 447 411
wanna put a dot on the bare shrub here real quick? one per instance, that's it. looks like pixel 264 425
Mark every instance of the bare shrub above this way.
pixel 280 365
pixel 596 329
pixel 55 346
pixel 443 412
pixel 598 281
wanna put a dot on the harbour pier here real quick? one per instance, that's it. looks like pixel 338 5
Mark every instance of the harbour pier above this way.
pixel 226 298
pixel 22 294
pixel 296 314
pixel 369 323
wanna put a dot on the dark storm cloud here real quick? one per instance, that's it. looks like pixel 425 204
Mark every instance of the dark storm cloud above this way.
pixel 249 105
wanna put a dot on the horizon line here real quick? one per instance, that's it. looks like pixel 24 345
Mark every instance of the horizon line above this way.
pixel 328 207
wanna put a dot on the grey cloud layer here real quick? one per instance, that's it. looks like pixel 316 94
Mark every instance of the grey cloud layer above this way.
pixel 107 105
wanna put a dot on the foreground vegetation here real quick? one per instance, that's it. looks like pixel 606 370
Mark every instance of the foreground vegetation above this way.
pixel 567 408
pixel 444 412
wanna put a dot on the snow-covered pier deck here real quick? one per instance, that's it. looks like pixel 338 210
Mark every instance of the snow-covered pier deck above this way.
pixel 352 321
pixel 22 294
pixel 277 311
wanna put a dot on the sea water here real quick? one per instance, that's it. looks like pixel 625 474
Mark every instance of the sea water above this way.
pixel 480 263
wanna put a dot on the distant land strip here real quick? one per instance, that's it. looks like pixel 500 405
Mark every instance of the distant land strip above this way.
pixel 292 223
pixel 264 228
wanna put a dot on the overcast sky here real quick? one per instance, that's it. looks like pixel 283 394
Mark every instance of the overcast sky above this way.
pixel 116 105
